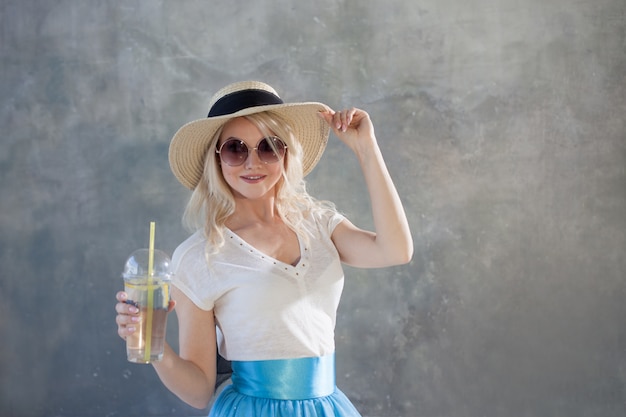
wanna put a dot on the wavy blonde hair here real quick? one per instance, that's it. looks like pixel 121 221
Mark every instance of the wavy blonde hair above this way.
pixel 212 201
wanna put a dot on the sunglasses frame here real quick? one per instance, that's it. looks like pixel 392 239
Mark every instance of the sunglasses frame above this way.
pixel 271 140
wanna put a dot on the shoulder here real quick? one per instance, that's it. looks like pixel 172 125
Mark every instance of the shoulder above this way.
pixel 189 249
pixel 191 273
pixel 327 219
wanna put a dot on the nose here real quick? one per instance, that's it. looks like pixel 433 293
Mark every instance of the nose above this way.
pixel 253 159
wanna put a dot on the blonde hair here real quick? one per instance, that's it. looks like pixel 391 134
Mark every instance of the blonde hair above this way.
pixel 212 201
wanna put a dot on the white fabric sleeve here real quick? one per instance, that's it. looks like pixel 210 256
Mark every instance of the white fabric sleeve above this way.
pixel 191 273
pixel 334 221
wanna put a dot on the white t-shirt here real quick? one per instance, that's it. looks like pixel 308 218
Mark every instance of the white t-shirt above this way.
pixel 264 308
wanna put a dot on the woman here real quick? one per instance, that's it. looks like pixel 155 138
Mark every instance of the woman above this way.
pixel 261 278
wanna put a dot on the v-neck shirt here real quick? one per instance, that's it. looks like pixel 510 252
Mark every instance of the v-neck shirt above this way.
pixel 265 308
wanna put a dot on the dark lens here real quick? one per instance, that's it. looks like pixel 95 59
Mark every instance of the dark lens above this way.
pixel 271 149
pixel 234 152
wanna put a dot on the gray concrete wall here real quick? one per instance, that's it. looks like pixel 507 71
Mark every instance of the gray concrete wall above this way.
pixel 503 123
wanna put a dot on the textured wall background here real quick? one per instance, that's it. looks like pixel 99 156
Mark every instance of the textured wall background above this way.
pixel 503 123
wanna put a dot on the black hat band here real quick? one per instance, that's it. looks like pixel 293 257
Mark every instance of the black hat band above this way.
pixel 239 100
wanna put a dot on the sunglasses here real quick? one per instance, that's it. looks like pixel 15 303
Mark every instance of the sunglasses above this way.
pixel 234 152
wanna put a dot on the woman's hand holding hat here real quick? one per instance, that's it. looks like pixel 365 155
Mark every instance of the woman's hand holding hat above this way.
pixel 353 126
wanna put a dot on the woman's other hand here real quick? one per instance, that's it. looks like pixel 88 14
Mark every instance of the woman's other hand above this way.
pixel 128 317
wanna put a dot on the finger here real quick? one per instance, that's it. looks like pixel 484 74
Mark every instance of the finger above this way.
pixel 126 325
pixel 341 120
pixel 125 319
pixel 350 115
pixel 125 308
pixel 333 118
pixel 125 331
pixel 328 116
pixel 346 118
pixel 121 296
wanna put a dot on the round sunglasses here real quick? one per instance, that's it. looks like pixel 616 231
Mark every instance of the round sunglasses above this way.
pixel 234 152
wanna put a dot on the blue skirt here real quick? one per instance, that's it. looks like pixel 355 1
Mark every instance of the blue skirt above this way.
pixel 283 388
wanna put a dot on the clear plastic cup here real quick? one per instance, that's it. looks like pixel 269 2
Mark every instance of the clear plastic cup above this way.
pixel 150 293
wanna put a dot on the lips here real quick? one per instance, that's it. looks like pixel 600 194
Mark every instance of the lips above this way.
pixel 252 178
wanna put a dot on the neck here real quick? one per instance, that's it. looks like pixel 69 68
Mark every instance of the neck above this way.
pixel 250 212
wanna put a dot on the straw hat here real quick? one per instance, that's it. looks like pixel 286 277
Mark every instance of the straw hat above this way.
pixel 190 144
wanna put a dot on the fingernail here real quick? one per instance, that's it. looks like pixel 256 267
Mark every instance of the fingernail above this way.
pixel 133 310
pixel 135 319
pixel 130 328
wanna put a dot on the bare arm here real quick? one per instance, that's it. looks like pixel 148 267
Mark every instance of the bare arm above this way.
pixel 391 242
pixel 191 374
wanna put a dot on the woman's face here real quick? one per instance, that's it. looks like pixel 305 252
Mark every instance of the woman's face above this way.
pixel 254 179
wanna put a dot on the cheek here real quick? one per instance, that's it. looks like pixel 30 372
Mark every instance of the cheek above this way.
pixel 228 174
pixel 276 173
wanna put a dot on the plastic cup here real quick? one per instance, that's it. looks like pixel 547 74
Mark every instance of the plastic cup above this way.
pixel 147 283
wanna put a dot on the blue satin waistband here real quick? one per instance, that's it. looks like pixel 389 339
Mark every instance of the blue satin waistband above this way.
pixel 285 379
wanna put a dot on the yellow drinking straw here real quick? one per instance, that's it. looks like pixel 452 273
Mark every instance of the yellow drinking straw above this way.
pixel 148 346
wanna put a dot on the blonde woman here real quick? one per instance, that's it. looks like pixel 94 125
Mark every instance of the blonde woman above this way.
pixel 260 279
